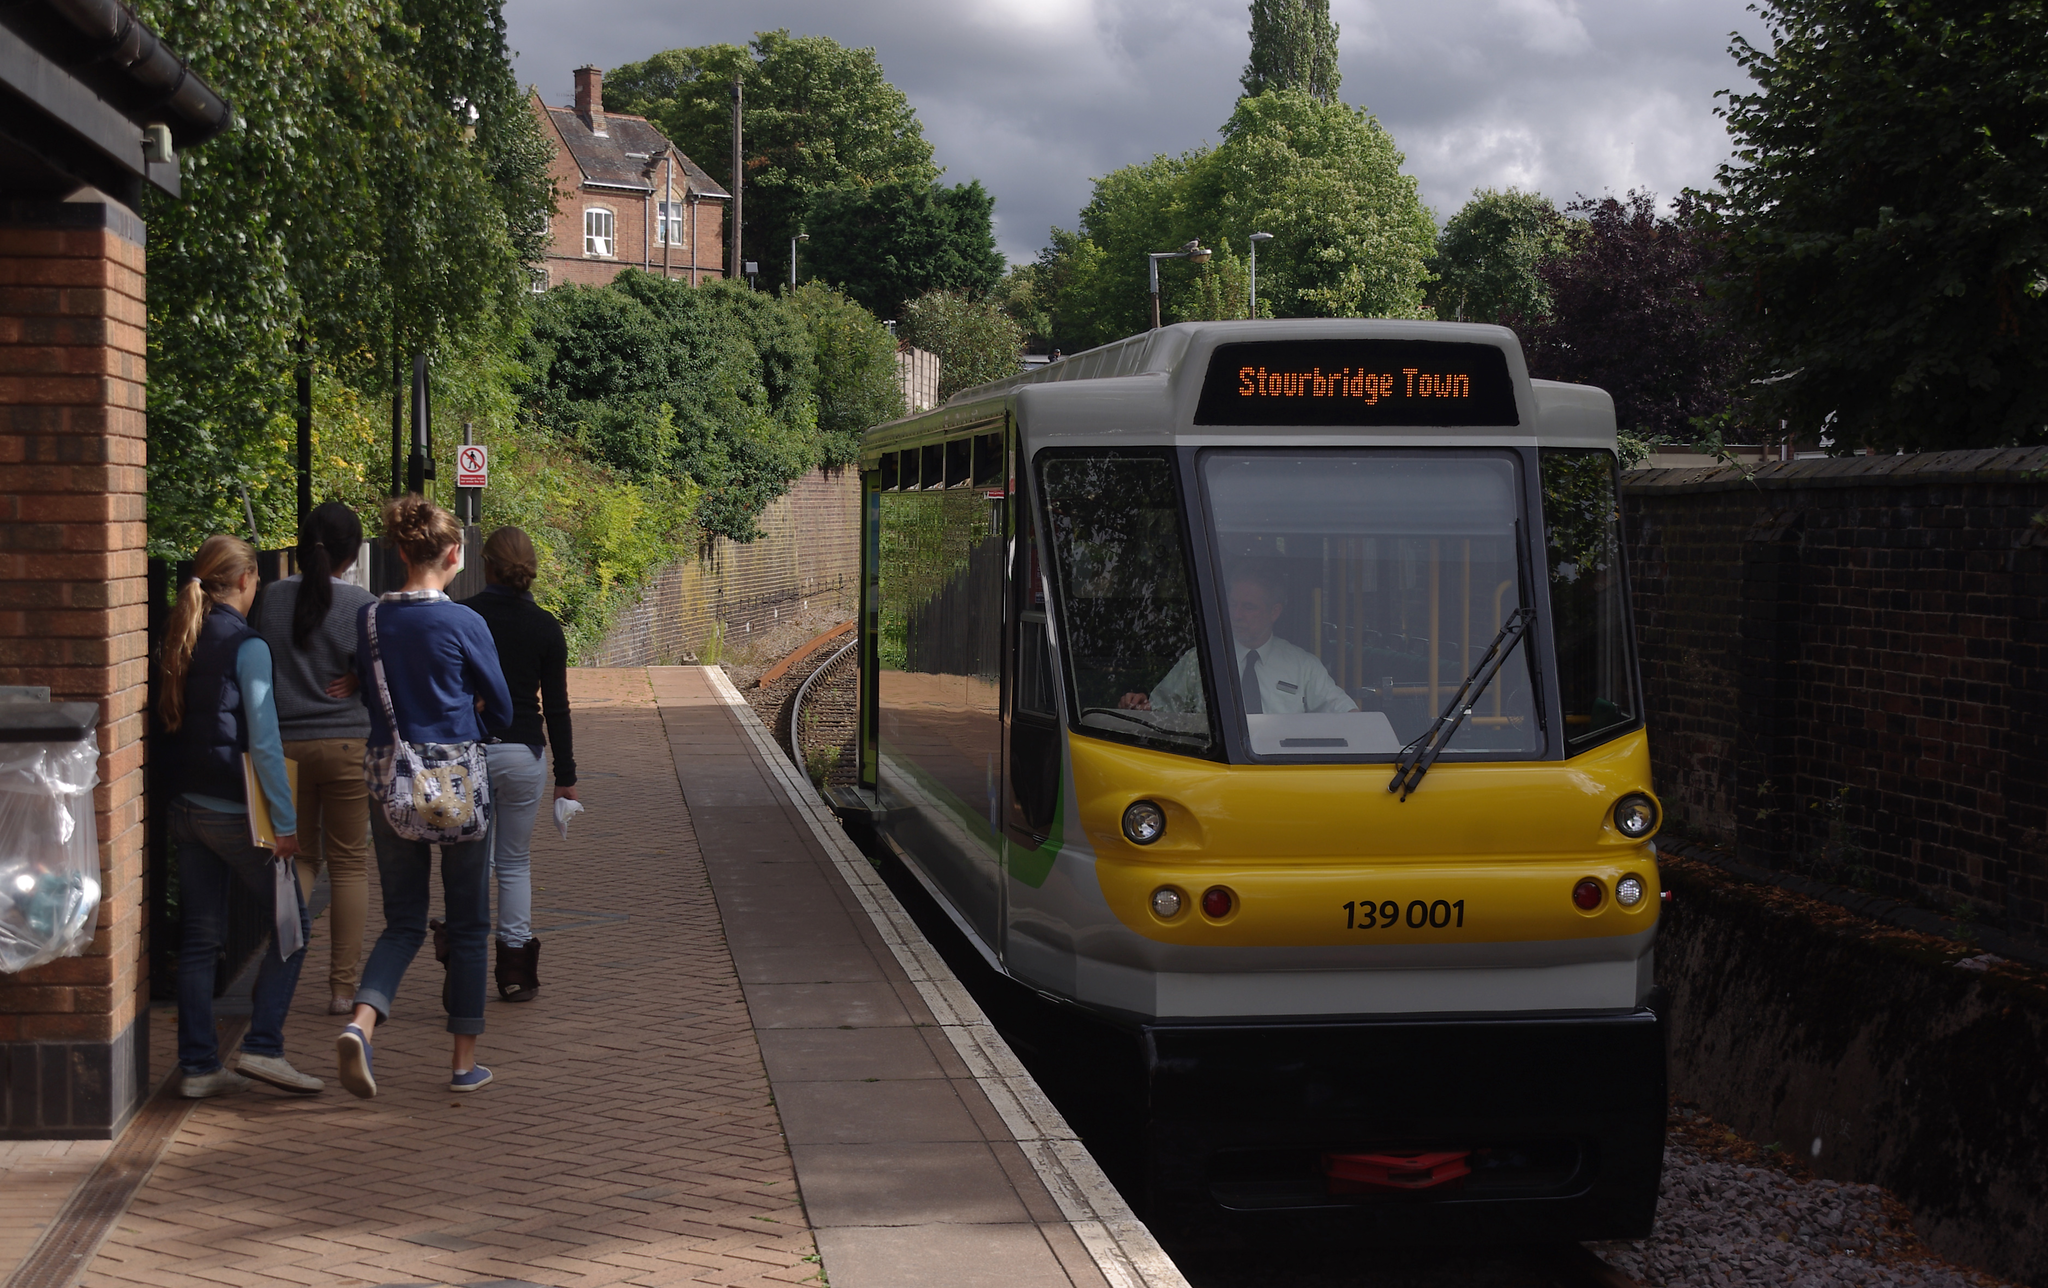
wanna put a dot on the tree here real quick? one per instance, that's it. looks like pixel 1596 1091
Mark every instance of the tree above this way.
pixel 818 116
pixel 383 167
pixel 1294 46
pixel 976 341
pixel 892 242
pixel 1489 254
pixel 714 384
pixel 1630 313
pixel 1885 243
pixel 859 385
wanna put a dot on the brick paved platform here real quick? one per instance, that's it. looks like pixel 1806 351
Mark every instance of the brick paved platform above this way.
pixel 743 1057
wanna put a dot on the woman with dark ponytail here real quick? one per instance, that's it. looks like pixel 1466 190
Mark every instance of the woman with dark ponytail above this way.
pixel 217 704
pixel 309 620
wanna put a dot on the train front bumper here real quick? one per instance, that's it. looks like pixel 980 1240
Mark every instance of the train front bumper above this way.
pixel 1563 1117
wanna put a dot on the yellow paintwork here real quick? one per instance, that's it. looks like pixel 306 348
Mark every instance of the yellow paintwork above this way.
pixel 1294 843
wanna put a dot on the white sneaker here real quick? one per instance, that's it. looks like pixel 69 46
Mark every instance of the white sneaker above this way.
pixel 276 1071
pixel 198 1086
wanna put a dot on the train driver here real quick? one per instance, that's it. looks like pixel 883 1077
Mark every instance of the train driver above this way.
pixel 1276 677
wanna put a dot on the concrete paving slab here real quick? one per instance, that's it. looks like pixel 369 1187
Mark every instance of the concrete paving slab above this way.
pixel 847 1055
pixel 942 1256
pixel 811 1006
pixel 906 1183
pixel 860 1113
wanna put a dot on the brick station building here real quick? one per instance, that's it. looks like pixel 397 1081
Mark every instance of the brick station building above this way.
pixel 93 107
pixel 627 197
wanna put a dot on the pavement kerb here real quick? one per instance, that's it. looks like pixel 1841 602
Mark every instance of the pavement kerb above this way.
pixel 1121 1245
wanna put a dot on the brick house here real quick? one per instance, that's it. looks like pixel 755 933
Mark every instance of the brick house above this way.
pixel 627 197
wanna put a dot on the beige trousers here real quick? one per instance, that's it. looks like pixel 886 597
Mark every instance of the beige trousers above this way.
pixel 334 798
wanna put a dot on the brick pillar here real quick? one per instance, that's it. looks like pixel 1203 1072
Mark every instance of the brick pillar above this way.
pixel 74 1036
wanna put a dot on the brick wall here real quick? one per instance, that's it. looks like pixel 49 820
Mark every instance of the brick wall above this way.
pixel 1846 666
pixel 809 550
pixel 73 1035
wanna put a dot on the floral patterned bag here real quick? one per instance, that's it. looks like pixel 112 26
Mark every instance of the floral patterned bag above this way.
pixel 439 792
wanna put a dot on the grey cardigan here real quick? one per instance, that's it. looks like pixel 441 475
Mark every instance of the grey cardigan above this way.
pixel 303 708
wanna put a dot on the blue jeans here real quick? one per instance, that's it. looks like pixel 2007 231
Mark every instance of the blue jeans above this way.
pixel 403 868
pixel 213 852
pixel 517 779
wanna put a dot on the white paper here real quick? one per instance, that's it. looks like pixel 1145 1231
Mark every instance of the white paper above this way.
pixel 565 809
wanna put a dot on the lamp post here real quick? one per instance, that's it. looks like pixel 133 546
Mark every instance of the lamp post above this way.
pixel 800 237
pixel 1193 252
pixel 1256 239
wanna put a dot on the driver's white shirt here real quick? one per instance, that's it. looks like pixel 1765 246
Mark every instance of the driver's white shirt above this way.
pixel 1291 682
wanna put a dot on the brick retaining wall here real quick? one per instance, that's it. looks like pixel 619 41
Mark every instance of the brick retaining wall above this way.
pixel 1846 667
pixel 809 551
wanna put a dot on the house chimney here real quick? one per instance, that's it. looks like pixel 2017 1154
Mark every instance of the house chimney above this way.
pixel 590 97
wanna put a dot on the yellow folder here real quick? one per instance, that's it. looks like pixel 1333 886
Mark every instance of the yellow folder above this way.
pixel 261 833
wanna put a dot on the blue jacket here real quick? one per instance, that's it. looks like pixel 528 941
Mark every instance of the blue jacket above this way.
pixel 438 659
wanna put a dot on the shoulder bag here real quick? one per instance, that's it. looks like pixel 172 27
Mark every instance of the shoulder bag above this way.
pixel 439 792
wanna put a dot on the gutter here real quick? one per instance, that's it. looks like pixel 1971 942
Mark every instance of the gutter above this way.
pixel 158 84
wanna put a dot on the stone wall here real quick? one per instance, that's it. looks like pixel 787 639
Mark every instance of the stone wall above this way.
pixel 809 551
pixel 1846 666
pixel 73 1033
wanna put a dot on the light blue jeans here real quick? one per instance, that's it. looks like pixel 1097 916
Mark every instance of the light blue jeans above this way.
pixel 518 779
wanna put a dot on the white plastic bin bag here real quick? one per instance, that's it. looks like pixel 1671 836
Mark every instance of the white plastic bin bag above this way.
pixel 49 843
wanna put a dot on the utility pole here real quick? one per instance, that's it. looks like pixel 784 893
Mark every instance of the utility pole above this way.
pixel 397 412
pixel 305 417
pixel 418 467
pixel 739 265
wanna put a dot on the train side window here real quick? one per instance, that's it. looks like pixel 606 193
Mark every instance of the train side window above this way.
pixel 932 473
pixel 988 460
pixel 959 453
pixel 1126 601
pixel 891 476
pixel 1588 595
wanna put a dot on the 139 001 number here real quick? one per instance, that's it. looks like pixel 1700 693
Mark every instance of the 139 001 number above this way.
pixel 1418 914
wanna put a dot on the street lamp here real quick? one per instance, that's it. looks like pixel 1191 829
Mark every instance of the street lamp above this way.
pixel 800 237
pixel 1192 252
pixel 1256 239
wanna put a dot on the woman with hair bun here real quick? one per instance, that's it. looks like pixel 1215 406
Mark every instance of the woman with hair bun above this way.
pixel 309 620
pixel 218 703
pixel 442 672
pixel 536 659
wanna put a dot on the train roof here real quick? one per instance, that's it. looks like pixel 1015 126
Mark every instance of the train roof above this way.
pixel 1150 384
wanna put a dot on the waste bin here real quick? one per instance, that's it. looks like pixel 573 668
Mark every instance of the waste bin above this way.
pixel 49 842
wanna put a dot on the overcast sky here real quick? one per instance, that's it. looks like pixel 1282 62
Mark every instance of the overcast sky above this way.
pixel 1037 97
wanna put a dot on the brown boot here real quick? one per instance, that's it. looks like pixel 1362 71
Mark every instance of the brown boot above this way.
pixel 518 971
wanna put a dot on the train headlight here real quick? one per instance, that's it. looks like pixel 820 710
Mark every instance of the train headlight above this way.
pixel 1628 892
pixel 1166 903
pixel 1635 816
pixel 1144 823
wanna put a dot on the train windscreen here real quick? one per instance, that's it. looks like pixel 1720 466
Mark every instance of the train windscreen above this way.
pixel 1363 585
pixel 1125 597
pixel 1582 524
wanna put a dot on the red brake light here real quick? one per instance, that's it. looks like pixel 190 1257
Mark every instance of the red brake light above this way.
pixel 1216 902
pixel 1587 894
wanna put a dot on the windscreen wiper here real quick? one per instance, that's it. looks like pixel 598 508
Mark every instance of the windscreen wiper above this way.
pixel 1418 756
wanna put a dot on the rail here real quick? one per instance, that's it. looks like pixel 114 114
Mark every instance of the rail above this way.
pixel 796 704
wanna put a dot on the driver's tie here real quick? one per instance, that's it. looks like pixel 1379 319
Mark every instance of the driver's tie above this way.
pixel 1253 704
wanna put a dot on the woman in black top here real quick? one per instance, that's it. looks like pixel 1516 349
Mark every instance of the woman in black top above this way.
pixel 536 660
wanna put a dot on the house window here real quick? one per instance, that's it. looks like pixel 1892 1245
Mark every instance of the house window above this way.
pixel 669 224
pixel 538 281
pixel 597 233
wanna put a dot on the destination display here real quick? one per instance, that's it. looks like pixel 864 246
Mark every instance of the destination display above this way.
pixel 1357 382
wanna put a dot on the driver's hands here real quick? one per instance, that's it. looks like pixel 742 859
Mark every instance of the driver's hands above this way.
pixel 1135 702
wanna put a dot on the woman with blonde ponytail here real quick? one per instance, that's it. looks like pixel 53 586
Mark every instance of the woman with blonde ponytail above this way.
pixel 218 703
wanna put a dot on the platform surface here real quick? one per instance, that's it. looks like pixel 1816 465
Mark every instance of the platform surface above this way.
pixel 729 1078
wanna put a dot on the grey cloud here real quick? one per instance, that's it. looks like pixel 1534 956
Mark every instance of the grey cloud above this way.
pixel 1037 97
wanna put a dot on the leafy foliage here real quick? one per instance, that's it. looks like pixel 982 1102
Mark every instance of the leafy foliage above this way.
pixel 1630 313
pixel 1294 46
pixel 714 384
pixel 859 385
pixel 1488 255
pixel 1883 219
pixel 975 339
pixel 818 116
pixel 1351 236
pixel 383 174
pixel 892 242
